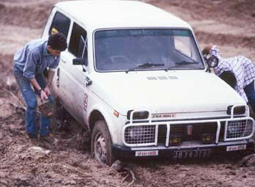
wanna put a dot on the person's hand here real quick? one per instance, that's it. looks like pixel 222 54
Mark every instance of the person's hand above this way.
pixel 47 90
pixel 43 95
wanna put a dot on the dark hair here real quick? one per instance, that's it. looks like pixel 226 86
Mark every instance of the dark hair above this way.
pixel 57 41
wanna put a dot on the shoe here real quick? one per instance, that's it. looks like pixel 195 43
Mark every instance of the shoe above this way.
pixel 32 136
pixel 33 139
pixel 47 138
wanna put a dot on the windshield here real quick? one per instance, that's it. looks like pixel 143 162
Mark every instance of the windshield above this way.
pixel 146 49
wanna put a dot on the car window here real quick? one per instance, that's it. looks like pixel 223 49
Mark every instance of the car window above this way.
pixel 78 36
pixel 60 23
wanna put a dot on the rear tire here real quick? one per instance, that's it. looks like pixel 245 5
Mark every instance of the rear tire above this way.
pixel 101 143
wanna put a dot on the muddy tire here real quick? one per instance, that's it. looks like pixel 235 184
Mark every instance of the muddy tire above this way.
pixel 59 111
pixel 58 115
pixel 101 143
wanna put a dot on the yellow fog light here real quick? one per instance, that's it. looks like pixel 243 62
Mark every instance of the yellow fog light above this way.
pixel 207 138
pixel 175 140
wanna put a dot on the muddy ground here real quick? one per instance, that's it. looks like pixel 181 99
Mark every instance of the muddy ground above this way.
pixel 228 24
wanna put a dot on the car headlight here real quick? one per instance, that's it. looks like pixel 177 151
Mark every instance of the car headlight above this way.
pixel 140 134
pixel 233 128
pixel 136 132
pixel 238 129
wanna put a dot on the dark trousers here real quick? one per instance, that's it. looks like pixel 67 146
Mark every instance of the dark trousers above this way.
pixel 250 93
pixel 29 96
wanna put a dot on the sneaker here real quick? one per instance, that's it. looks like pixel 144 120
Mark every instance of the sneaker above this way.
pixel 32 136
pixel 47 138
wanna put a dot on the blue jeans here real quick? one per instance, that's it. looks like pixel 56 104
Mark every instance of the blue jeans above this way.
pixel 29 96
pixel 250 92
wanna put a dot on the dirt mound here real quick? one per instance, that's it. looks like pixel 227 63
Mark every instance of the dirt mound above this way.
pixel 222 10
pixel 225 39
pixel 228 24
pixel 26 16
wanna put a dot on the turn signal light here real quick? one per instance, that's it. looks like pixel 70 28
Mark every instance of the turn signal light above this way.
pixel 115 113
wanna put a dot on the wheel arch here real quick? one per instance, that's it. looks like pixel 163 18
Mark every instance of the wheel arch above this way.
pixel 96 115
pixel 99 112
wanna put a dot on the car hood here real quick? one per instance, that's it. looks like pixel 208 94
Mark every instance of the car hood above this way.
pixel 164 92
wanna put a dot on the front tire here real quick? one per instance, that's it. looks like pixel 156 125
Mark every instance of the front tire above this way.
pixel 101 143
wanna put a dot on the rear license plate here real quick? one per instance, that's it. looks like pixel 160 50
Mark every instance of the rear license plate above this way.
pixel 146 153
pixel 236 147
pixel 192 153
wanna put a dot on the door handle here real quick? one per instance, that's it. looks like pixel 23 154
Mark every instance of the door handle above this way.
pixel 62 60
pixel 88 81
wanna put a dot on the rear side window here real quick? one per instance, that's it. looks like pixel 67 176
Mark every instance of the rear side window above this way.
pixel 78 35
pixel 60 23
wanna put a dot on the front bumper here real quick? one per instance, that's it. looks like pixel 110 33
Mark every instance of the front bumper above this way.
pixel 245 146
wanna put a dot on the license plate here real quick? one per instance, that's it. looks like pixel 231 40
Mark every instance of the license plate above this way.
pixel 146 153
pixel 192 153
pixel 236 147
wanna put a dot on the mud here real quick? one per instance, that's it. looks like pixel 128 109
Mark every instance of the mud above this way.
pixel 67 162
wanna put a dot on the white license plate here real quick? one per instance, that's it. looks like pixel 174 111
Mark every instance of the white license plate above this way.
pixel 192 153
pixel 236 147
pixel 146 153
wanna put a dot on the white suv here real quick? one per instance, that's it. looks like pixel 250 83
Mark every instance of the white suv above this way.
pixel 134 75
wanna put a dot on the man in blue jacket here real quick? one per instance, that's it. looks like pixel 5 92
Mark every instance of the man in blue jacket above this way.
pixel 29 64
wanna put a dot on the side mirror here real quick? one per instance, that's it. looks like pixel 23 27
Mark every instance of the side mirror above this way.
pixel 212 62
pixel 80 61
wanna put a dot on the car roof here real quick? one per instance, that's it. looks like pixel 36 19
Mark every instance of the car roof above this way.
pixel 97 14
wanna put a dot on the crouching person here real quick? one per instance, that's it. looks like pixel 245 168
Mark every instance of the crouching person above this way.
pixel 239 70
pixel 29 64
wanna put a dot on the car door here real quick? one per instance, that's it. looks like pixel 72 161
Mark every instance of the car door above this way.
pixel 59 22
pixel 72 81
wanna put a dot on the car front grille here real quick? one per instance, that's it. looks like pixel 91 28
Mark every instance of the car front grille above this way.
pixel 193 132
pixel 138 134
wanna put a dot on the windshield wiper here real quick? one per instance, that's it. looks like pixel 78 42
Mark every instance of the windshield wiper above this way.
pixel 145 65
pixel 181 63
pixel 186 63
